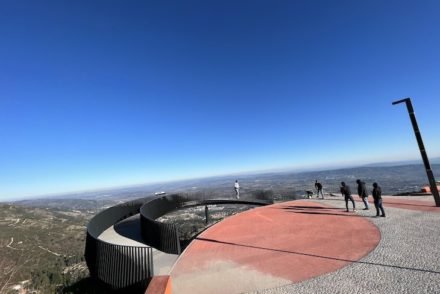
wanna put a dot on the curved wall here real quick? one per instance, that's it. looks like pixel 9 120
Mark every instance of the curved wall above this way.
pixel 165 237
pixel 161 236
pixel 130 268
pixel 117 266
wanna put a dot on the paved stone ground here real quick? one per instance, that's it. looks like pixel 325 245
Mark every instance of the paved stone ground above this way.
pixel 407 259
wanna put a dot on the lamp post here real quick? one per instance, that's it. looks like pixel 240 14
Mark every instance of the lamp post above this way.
pixel 429 172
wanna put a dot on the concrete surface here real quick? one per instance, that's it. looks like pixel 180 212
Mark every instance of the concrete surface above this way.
pixel 406 260
pixel 308 246
pixel 273 246
pixel 313 246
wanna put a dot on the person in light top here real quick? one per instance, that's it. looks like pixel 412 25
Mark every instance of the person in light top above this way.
pixel 237 189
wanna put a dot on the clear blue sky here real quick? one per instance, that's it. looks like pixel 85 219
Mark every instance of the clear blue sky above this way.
pixel 105 93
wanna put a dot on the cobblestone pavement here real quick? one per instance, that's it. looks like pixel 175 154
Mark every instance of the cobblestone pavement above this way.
pixel 407 259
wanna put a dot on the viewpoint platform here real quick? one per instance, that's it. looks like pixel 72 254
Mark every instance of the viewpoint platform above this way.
pixel 308 246
pixel 314 246
pixel 273 246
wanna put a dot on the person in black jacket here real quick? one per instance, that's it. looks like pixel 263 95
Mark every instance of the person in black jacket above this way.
pixel 377 196
pixel 362 192
pixel 346 192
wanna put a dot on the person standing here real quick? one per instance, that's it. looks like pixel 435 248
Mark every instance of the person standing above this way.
pixel 377 196
pixel 362 192
pixel 237 189
pixel 346 192
pixel 318 187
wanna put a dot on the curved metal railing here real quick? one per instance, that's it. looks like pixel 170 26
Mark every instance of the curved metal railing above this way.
pixel 131 267
pixel 161 236
pixel 165 237
pixel 117 266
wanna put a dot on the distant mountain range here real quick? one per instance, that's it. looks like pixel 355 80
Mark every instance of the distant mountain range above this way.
pixel 395 177
pixel 137 191
pixel 435 160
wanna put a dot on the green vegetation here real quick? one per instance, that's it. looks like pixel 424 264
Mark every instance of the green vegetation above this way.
pixel 41 249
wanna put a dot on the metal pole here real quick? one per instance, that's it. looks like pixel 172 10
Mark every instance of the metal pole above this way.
pixel 429 172
pixel 206 215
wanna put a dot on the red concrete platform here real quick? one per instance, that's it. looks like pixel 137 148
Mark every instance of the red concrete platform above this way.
pixel 420 205
pixel 404 203
pixel 273 246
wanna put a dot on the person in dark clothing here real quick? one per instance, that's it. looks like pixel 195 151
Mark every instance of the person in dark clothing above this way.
pixel 362 192
pixel 346 192
pixel 318 187
pixel 377 196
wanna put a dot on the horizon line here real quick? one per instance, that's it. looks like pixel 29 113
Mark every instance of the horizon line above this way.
pixel 328 167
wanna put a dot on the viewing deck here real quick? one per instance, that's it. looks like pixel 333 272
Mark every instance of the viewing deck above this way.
pixel 307 246
pixel 310 246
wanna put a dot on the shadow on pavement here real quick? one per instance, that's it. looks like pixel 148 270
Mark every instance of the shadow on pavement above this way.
pixel 319 256
pixel 310 207
pixel 318 210
pixel 344 214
